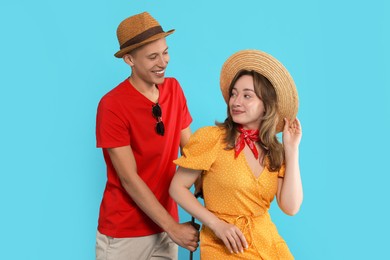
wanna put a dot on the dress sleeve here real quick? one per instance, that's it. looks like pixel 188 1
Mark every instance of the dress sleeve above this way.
pixel 282 171
pixel 201 150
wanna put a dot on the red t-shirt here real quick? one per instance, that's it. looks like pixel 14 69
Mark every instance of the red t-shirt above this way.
pixel 124 117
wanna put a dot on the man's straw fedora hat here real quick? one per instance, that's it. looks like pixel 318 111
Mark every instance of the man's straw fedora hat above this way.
pixel 138 30
pixel 270 68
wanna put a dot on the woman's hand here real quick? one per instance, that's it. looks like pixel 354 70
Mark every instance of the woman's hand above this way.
pixel 290 192
pixel 292 134
pixel 231 236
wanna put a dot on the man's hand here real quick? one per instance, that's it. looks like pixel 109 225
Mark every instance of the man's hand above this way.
pixel 185 235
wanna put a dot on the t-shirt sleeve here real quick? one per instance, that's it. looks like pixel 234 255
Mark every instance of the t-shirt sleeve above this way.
pixel 111 129
pixel 186 116
pixel 282 171
pixel 187 119
pixel 201 150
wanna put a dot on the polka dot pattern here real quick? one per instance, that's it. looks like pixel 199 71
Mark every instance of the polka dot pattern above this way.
pixel 234 194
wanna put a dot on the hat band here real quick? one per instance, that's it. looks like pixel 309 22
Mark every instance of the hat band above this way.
pixel 142 36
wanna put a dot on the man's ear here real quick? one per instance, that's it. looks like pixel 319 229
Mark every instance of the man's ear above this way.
pixel 129 59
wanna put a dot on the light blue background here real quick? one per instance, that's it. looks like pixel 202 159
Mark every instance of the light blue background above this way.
pixel 57 62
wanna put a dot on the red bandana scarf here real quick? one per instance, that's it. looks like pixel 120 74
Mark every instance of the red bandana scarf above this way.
pixel 249 137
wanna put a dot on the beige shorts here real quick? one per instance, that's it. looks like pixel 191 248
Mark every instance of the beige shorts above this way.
pixel 158 246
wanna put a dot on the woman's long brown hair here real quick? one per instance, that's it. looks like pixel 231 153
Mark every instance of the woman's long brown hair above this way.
pixel 269 143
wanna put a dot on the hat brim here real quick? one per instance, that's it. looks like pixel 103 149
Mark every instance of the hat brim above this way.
pixel 155 37
pixel 270 68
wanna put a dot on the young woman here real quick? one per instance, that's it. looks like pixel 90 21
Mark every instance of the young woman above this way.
pixel 242 163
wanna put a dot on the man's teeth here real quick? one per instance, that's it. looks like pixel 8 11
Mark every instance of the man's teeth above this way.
pixel 159 72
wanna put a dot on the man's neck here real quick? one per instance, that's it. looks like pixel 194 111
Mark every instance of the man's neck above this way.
pixel 150 91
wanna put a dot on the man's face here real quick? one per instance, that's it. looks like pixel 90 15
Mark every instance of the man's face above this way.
pixel 149 62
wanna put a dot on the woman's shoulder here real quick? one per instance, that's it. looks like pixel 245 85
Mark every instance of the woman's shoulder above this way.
pixel 202 149
pixel 208 136
pixel 210 132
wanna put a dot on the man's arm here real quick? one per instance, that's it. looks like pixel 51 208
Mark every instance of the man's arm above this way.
pixel 185 135
pixel 125 165
pixel 184 138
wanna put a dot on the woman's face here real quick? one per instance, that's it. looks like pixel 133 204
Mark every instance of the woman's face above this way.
pixel 246 108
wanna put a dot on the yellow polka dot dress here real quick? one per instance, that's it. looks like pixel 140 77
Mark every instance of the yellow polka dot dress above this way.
pixel 234 194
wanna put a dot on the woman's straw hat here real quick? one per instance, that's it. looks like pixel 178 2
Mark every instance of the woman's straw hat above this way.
pixel 138 30
pixel 270 68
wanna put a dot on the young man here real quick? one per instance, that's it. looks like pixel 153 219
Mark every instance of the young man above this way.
pixel 140 125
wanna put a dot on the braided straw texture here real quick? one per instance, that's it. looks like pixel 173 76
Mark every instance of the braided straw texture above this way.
pixel 273 70
pixel 133 26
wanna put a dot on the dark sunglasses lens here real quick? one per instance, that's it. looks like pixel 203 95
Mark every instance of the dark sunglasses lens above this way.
pixel 156 110
pixel 160 128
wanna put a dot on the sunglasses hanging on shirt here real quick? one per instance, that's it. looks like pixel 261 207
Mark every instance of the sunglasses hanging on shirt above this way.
pixel 156 111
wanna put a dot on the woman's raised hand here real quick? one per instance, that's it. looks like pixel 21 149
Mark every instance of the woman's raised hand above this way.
pixel 292 133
